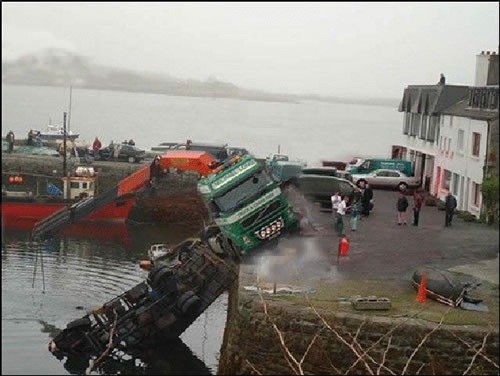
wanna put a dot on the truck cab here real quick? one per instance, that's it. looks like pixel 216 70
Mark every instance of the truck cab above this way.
pixel 246 203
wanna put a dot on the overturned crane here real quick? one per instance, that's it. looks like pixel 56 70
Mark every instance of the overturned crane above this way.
pixel 248 209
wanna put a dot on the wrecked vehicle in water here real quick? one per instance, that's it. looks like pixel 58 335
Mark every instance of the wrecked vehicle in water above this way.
pixel 180 285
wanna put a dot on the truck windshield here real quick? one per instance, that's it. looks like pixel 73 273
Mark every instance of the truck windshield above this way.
pixel 235 197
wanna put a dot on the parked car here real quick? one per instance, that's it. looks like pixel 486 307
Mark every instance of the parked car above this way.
pixel 320 188
pixel 328 171
pixel 383 178
pixel 121 152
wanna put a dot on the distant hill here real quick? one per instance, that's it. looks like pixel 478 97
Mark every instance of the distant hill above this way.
pixel 58 67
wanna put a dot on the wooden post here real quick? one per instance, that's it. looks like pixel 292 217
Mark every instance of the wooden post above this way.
pixel 65 169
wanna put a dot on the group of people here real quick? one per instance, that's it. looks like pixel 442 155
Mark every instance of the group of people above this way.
pixel 362 203
pixel 418 199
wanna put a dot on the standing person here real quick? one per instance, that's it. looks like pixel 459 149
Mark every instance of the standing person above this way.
pixel 38 140
pixel 355 209
pixel 401 206
pixel 336 198
pixel 31 136
pixel 418 199
pixel 366 199
pixel 10 139
pixel 341 210
pixel 449 206
pixel 96 146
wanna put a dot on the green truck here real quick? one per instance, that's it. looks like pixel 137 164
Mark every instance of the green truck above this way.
pixel 246 204
pixel 368 165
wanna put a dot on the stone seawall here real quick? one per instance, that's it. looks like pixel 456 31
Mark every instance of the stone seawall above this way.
pixel 332 342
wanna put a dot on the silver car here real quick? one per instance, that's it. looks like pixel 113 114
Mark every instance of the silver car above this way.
pixel 384 178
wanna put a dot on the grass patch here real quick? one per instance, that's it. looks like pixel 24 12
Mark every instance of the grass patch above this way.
pixel 333 296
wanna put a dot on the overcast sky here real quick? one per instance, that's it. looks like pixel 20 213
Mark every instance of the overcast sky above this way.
pixel 339 49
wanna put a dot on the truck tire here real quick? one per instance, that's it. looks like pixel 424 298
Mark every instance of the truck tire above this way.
pixel 131 159
pixel 188 302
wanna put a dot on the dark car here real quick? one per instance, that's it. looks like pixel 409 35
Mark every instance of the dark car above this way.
pixel 320 188
pixel 328 171
pixel 121 152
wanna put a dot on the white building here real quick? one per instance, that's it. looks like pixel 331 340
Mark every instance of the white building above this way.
pixel 422 106
pixel 452 134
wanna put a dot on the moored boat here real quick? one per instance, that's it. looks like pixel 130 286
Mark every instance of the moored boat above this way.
pixel 21 209
pixel 55 132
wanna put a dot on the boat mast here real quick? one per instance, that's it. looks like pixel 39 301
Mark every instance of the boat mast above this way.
pixel 69 114
pixel 64 156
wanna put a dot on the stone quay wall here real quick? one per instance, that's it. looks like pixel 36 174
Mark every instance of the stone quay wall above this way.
pixel 336 340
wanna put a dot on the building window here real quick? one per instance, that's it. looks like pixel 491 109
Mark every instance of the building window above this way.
pixel 433 126
pixel 446 179
pixel 460 140
pixel 406 125
pixel 441 143
pixel 454 185
pixel 451 121
pixel 476 139
pixel 476 190
pixel 423 128
pixel 84 185
pixel 74 185
pixel 415 122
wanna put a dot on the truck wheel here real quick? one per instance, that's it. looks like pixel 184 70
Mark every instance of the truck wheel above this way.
pixel 131 159
pixel 188 301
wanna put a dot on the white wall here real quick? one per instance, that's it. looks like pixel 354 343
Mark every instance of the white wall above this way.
pixel 461 162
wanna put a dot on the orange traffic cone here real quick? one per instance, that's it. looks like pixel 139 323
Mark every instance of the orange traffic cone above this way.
pixel 421 294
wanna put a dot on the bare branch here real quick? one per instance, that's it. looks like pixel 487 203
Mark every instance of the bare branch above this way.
pixel 384 355
pixel 287 352
pixel 308 348
pixel 252 367
pixel 476 354
pixel 359 329
pixel 470 347
pixel 380 339
pixel 420 369
pixel 423 341
pixel 370 371
pixel 105 353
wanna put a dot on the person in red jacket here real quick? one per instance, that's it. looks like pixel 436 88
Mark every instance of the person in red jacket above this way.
pixel 96 146
pixel 418 199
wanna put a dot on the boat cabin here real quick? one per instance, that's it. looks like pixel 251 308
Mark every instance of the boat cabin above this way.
pixel 82 184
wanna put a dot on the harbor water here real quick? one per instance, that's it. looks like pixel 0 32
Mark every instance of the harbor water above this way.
pixel 86 267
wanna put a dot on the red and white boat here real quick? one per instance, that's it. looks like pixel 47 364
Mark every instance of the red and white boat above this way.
pixel 22 209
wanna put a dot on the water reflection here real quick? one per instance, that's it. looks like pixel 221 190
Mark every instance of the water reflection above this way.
pixel 167 358
pixel 84 267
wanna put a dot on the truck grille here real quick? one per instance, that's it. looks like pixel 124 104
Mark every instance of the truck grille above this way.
pixel 271 229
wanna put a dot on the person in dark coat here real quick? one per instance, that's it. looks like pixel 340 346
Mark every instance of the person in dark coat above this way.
pixel 10 139
pixel 401 206
pixel 155 170
pixel 366 198
pixel 450 205
pixel 418 199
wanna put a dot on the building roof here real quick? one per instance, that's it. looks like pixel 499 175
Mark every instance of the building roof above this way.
pixel 431 99
pixel 462 109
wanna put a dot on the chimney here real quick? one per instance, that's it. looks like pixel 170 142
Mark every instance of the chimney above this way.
pixel 486 69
